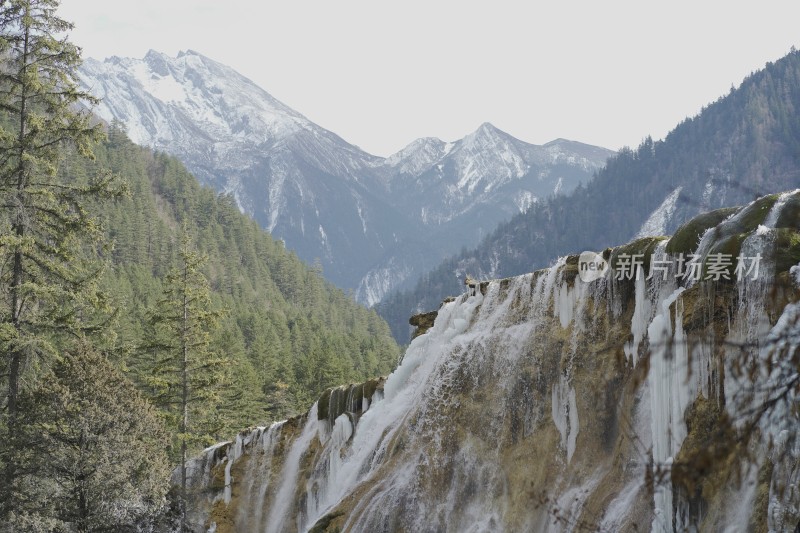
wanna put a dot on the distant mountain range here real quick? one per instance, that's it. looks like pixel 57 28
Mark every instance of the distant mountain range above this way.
pixel 741 147
pixel 374 224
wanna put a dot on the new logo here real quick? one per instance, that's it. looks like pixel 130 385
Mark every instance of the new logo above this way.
pixel 591 266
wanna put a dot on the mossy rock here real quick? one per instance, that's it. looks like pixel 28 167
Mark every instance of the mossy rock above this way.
pixel 727 229
pixel 323 405
pixel 709 444
pixel 422 322
pixel 217 480
pixel 687 237
pixel 787 249
pixel 570 268
pixel 728 249
pixel 644 248
pixel 373 385
pixel 752 215
pixel 222 516
pixel 730 245
pixel 347 399
pixel 790 213
pixel 336 403
pixel 703 308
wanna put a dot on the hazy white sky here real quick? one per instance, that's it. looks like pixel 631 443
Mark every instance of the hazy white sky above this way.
pixel 381 74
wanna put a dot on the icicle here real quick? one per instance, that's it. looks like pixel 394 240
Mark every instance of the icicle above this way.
pixel 641 318
pixel 565 414
pixel 668 400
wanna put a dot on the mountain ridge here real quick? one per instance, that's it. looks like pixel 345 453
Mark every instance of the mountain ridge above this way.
pixel 360 215
pixel 743 145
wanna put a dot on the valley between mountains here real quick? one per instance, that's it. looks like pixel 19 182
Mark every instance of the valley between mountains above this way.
pixel 373 224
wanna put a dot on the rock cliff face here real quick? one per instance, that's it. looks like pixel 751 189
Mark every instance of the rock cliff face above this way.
pixel 666 401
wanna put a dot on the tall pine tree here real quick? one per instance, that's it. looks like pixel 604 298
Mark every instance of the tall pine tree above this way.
pixel 47 237
pixel 186 377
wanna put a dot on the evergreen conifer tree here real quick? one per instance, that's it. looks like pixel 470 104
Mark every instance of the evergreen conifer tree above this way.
pixel 97 450
pixel 47 237
pixel 187 376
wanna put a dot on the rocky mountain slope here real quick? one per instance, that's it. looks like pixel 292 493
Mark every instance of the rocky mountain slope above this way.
pixel 653 398
pixel 373 223
pixel 744 145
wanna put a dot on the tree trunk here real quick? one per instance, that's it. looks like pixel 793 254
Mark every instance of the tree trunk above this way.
pixel 15 355
pixel 184 397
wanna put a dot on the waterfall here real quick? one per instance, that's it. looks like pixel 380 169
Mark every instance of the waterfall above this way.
pixel 542 402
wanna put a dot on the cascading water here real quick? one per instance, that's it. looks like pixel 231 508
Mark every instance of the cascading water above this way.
pixel 537 403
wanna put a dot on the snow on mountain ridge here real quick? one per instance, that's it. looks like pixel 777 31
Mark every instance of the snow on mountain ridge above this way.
pixel 656 223
pixel 208 92
pixel 420 155
pixel 292 175
pixel 488 157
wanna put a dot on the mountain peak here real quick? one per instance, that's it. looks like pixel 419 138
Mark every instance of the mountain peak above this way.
pixel 487 135
pixel 190 52
pixel 488 132
pixel 559 140
pixel 419 155
pixel 419 144
pixel 487 128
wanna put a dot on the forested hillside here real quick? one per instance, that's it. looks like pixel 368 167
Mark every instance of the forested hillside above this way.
pixel 288 333
pixel 744 145
pixel 142 316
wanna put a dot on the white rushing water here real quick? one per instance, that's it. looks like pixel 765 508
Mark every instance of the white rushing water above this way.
pixel 508 367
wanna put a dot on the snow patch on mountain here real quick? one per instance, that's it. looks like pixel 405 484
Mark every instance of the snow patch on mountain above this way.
pixel 656 223
pixel 188 87
pixel 378 282
pixel 559 186
pixel 418 156
pixel 524 200
pixel 486 157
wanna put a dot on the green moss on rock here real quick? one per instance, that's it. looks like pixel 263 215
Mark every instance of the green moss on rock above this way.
pixel 787 249
pixel 323 405
pixel 222 517
pixel 729 248
pixel 373 385
pixel 752 216
pixel 347 399
pixel 687 237
pixel 790 213
pixel 570 269
pixel 644 248
pixel 709 443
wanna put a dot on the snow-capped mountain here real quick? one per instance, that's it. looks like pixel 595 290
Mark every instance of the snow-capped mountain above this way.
pixel 362 216
pixel 301 182
pixel 486 168
pixel 459 191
